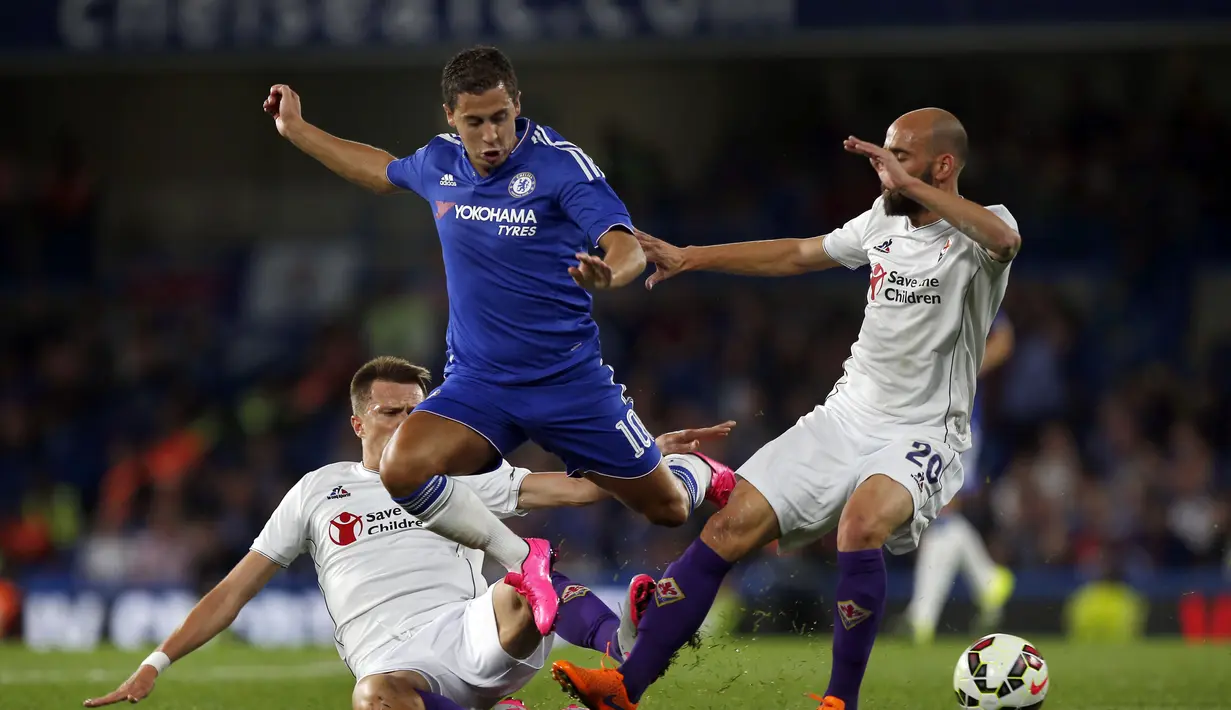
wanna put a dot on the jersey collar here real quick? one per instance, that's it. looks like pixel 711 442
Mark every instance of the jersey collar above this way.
pixel 931 230
pixel 525 129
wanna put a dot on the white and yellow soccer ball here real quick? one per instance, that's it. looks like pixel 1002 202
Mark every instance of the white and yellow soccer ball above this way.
pixel 1001 671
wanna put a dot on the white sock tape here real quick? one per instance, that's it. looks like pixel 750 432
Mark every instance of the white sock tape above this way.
pixel 159 660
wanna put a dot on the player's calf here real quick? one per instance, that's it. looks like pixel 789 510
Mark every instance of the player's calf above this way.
pixel 669 494
pixel 519 637
pixel 878 507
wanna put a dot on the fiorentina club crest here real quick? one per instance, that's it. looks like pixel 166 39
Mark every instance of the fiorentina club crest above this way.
pixel 852 614
pixel 572 592
pixel 667 592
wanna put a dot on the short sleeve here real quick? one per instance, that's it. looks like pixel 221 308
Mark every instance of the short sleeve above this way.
pixel 499 490
pixel 845 244
pixel 285 535
pixel 592 205
pixel 407 173
pixel 985 257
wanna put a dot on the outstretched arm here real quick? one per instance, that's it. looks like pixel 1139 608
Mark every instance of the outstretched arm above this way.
pixel 623 254
pixel 214 613
pixel 361 164
pixel 773 257
pixel 557 490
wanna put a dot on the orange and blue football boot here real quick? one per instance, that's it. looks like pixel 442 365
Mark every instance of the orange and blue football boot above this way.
pixel 596 688
pixel 829 702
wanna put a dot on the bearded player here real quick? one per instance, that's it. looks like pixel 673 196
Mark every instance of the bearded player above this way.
pixel 518 210
pixel 879 459
pixel 427 634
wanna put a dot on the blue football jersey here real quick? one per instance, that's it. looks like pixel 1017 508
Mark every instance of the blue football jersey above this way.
pixel 515 314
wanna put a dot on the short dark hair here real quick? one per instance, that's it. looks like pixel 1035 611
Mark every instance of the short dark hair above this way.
pixel 475 71
pixel 388 369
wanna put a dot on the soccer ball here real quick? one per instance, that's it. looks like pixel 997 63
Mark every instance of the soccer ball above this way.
pixel 1000 671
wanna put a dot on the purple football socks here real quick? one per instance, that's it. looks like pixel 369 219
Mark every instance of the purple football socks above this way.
pixel 584 620
pixel 858 607
pixel 684 596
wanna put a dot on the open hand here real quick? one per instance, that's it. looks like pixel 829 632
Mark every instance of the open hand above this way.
pixel 591 272
pixel 893 176
pixel 689 440
pixel 668 260
pixel 283 105
pixel 133 690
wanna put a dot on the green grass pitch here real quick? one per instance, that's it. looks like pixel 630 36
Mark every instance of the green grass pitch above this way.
pixel 731 672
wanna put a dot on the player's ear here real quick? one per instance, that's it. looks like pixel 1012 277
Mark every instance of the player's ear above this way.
pixel 945 168
pixel 449 115
pixel 357 424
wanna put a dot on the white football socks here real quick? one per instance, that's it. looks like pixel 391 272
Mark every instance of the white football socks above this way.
pixel 461 516
pixel 694 475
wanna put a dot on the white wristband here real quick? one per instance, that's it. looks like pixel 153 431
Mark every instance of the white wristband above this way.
pixel 159 660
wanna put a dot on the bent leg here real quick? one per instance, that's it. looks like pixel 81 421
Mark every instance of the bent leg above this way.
pixel 519 637
pixel 584 620
pixel 661 496
pixel 879 507
pixel 398 690
pixel 415 468
pixel 687 589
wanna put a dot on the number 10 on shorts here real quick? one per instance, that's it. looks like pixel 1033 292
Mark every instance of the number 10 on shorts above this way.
pixel 638 436
pixel 929 469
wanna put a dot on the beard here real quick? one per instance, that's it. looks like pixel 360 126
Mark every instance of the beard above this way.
pixel 899 205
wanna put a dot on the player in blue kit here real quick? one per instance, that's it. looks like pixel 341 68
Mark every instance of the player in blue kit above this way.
pixel 519 211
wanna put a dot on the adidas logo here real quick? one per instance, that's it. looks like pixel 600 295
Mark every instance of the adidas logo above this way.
pixel 448 180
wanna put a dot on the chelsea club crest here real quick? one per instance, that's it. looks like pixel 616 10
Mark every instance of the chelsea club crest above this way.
pixel 522 184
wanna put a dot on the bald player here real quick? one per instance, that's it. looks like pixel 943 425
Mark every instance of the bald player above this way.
pixel 879 458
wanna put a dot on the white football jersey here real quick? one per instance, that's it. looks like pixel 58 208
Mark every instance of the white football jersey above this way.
pixel 382 574
pixel 932 295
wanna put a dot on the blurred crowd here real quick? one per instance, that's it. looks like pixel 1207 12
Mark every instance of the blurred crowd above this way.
pixel 152 416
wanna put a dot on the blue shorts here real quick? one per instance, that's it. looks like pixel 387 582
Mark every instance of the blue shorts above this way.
pixel 585 420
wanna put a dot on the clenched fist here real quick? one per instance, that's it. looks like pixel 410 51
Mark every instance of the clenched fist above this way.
pixel 283 105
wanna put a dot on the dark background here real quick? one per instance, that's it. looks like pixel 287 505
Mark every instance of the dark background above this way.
pixel 185 296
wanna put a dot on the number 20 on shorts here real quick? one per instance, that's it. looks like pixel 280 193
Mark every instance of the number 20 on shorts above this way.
pixel 638 436
pixel 921 450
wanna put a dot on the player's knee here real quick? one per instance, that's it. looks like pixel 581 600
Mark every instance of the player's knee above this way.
pixel 669 514
pixel 403 468
pixel 372 694
pixel 731 536
pixel 862 528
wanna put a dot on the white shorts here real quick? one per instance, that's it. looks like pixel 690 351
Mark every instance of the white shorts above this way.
pixel 460 656
pixel 809 472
